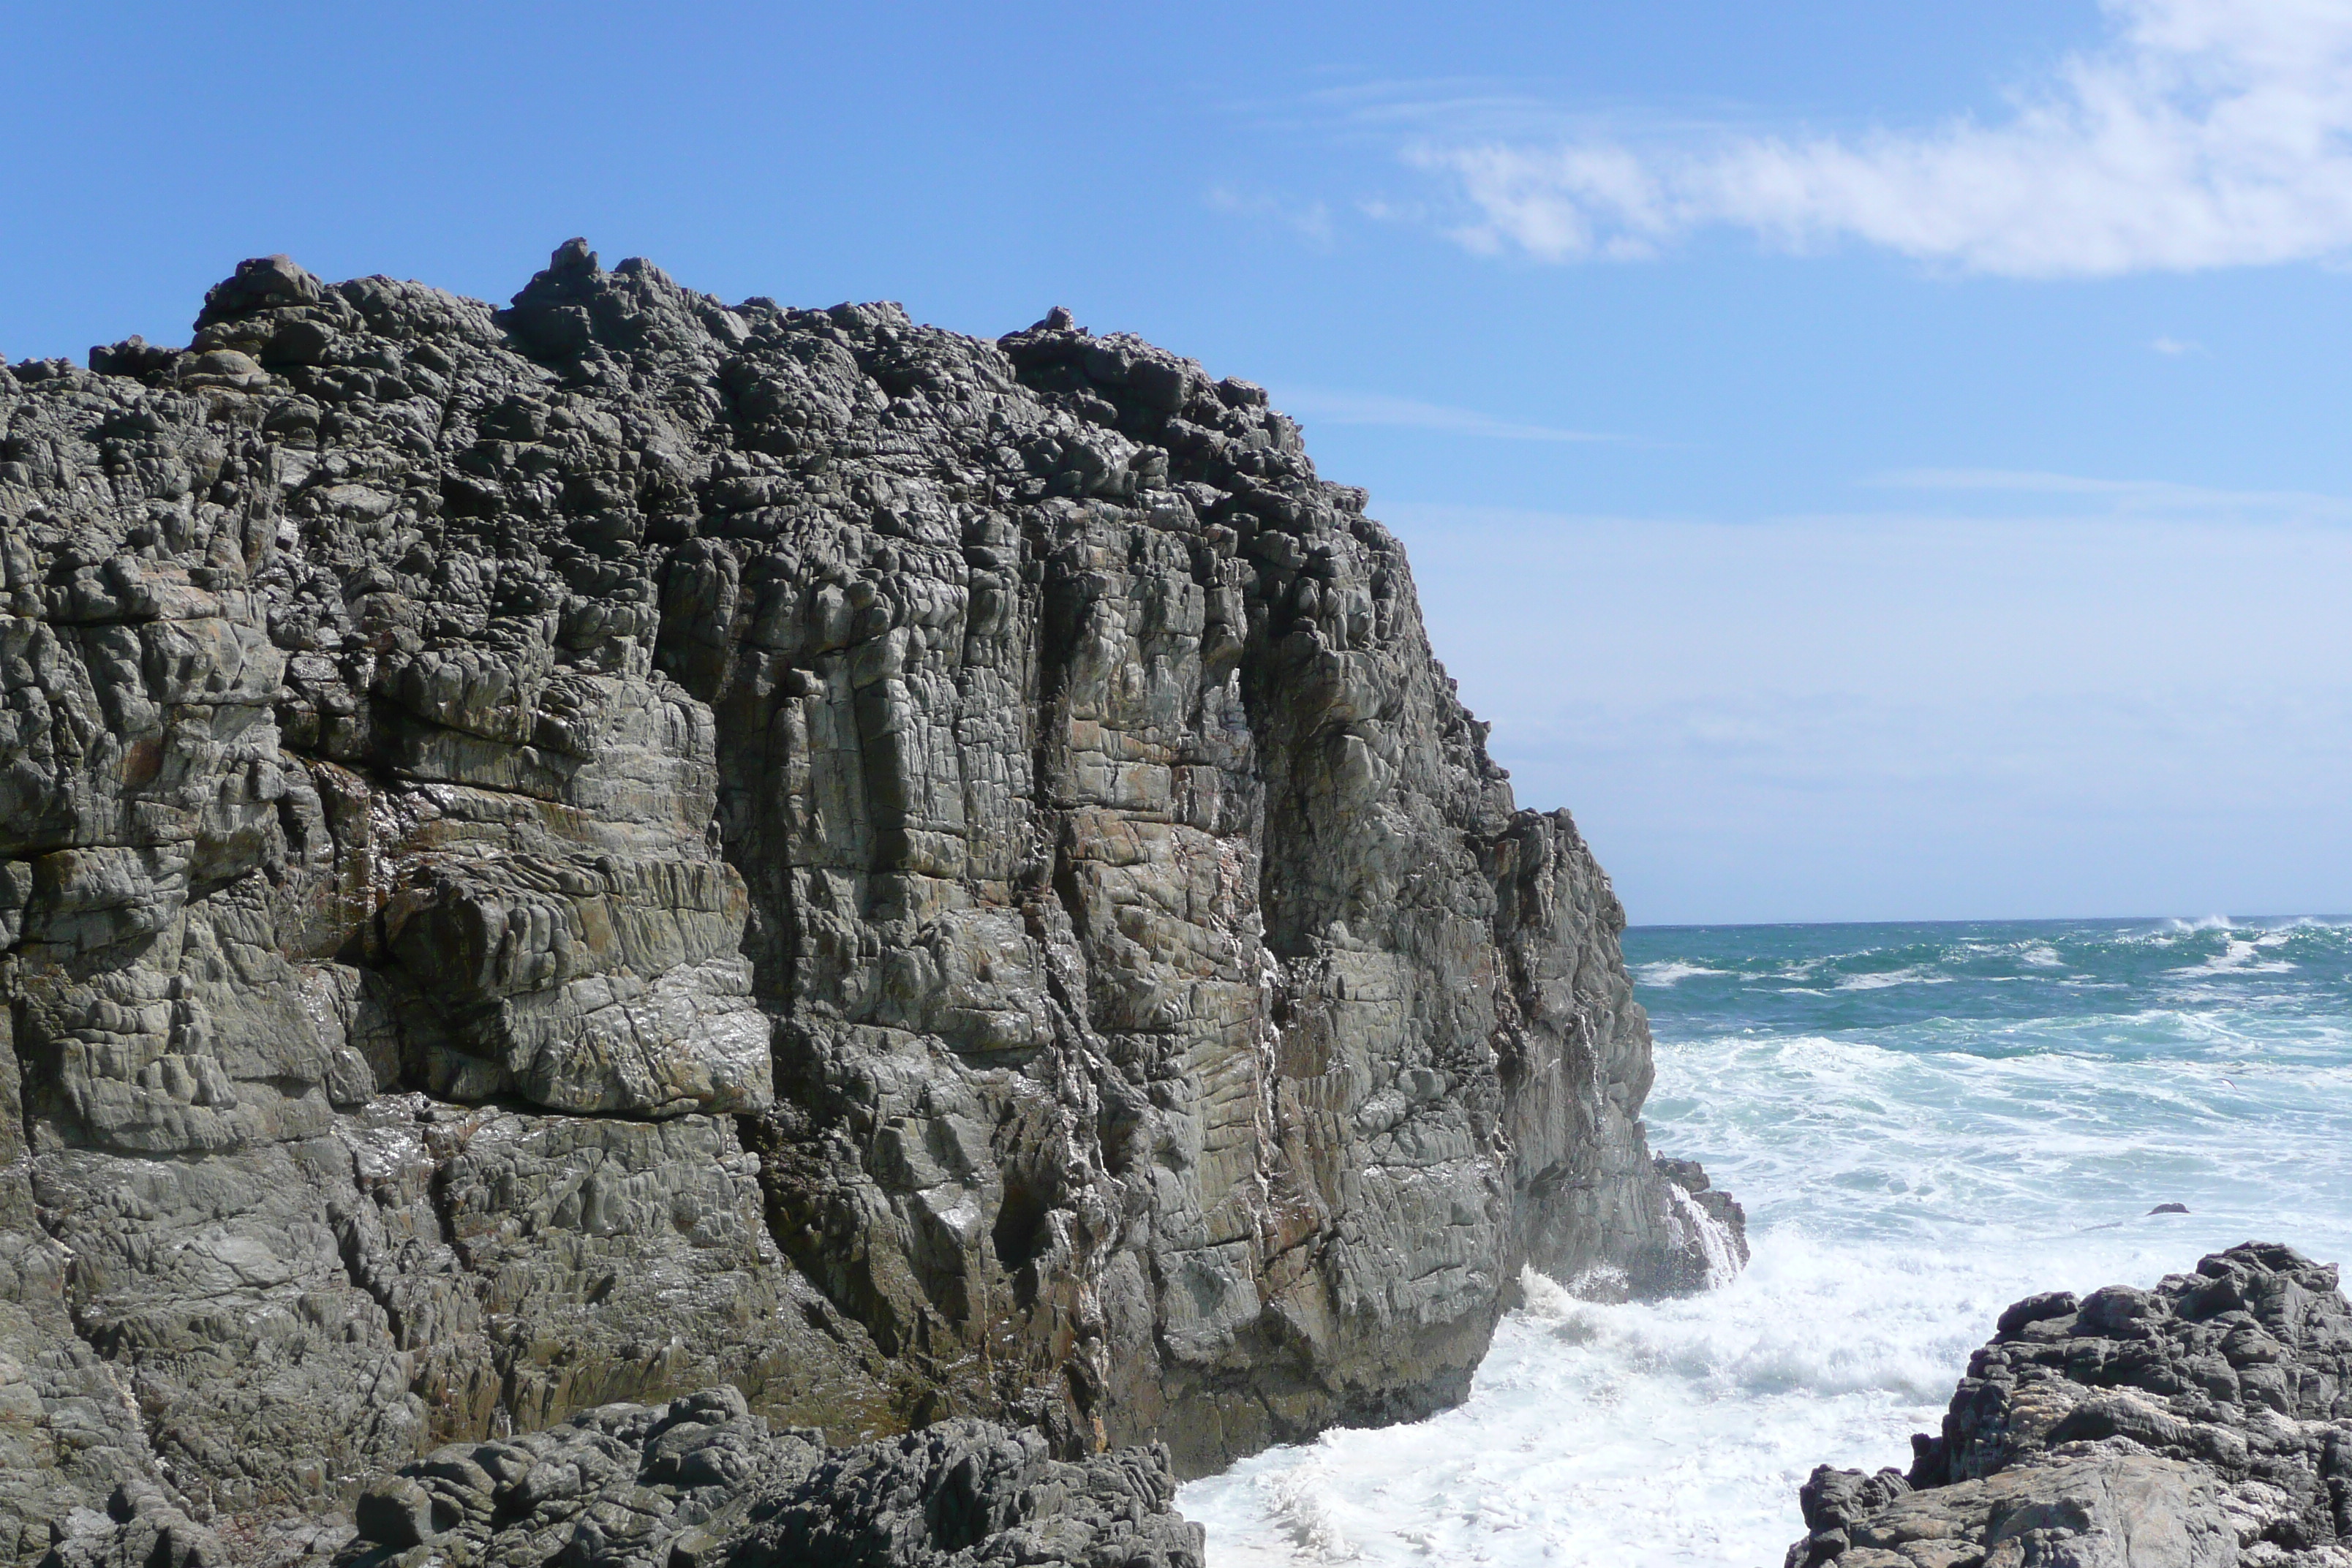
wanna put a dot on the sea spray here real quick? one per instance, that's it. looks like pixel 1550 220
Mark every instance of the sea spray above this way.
pixel 1993 1111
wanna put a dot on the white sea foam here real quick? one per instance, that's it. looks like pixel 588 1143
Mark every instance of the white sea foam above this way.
pixel 1915 974
pixel 2238 956
pixel 1673 971
pixel 1903 1185
pixel 1676 1431
pixel 1693 1225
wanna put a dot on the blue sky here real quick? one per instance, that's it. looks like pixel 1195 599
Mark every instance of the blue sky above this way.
pixel 1869 461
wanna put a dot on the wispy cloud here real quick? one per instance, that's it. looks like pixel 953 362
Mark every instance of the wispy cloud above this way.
pixel 2173 348
pixel 2203 133
pixel 1311 221
pixel 1378 111
pixel 2125 495
pixel 1328 407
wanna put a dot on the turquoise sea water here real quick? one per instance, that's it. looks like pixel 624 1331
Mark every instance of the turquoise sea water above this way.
pixel 1925 1122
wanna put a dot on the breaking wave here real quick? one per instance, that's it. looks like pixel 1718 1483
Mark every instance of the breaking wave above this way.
pixel 1994 1115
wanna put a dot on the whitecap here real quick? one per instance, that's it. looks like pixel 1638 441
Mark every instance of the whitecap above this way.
pixel 2237 957
pixel 1916 975
pixel 1672 972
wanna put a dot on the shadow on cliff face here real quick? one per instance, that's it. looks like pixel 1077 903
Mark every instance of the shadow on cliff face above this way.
pixel 594 850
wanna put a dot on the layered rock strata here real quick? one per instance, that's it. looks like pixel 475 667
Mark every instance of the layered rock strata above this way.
pixel 2205 1422
pixel 624 844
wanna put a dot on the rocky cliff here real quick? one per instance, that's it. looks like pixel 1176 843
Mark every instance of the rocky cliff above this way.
pixel 623 846
pixel 2203 1424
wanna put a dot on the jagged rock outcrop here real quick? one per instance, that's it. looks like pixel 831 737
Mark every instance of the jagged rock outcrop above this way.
pixel 2202 1424
pixel 698 1483
pixel 701 1482
pixel 585 852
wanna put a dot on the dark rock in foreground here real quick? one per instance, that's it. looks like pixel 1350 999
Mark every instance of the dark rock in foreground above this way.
pixel 701 1482
pixel 2207 1422
pixel 580 853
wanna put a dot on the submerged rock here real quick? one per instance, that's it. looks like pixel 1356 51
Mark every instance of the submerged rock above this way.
pixel 587 852
pixel 2206 1421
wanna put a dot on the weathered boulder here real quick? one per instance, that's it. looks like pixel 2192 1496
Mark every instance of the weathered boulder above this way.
pixel 2202 1424
pixel 590 851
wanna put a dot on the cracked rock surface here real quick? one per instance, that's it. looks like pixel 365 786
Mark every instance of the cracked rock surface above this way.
pixel 624 846
pixel 2202 1424
pixel 701 1482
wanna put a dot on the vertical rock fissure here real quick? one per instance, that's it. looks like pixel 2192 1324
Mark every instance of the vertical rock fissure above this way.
pixel 580 852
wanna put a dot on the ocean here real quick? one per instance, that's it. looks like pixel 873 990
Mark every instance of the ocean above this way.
pixel 1925 1122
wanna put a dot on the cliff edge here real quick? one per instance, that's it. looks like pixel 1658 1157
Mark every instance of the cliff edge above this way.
pixel 625 846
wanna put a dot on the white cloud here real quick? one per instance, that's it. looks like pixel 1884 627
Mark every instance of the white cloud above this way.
pixel 1318 407
pixel 2173 348
pixel 2205 133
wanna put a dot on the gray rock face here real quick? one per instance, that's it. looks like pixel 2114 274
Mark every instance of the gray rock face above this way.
pixel 582 853
pixel 2207 1422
